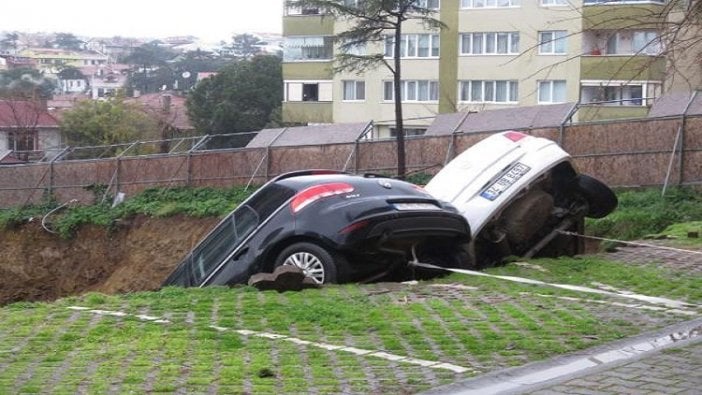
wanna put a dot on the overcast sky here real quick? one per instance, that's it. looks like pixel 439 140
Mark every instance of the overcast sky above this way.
pixel 208 19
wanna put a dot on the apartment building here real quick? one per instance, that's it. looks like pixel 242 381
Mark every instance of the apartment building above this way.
pixel 604 54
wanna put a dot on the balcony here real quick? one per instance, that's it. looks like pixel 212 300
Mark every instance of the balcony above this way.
pixel 308 112
pixel 622 67
pixel 598 14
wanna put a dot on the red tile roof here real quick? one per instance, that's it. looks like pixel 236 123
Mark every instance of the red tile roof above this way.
pixel 22 114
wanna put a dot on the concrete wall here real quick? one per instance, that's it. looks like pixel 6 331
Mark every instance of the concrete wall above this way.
pixel 621 153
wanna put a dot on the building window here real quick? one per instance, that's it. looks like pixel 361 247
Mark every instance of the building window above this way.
pixel 412 91
pixel 311 10
pixel 308 48
pixel 490 3
pixel 308 91
pixel 552 42
pixel 408 132
pixel 646 42
pixel 414 46
pixel 22 141
pixel 552 91
pixel 550 3
pixel 633 42
pixel 494 43
pixel 479 91
pixel 354 90
pixel 429 4
pixel 615 94
pixel 621 1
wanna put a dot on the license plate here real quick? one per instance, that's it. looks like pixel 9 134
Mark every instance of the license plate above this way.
pixel 494 190
pixel 415 206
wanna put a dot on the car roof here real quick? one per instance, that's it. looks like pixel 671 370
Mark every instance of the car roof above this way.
pixel 306 179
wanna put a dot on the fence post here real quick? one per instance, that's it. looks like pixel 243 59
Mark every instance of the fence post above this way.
pixel 197 145
pixel 683 126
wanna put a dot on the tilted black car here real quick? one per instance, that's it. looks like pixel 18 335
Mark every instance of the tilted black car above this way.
pixel 335 226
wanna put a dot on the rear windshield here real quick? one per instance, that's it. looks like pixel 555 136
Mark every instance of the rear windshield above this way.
pixel 227 236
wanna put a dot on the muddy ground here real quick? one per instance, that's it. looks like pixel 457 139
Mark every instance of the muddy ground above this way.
pixel 135 256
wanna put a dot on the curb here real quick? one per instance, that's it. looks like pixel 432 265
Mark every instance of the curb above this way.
pixel 562 368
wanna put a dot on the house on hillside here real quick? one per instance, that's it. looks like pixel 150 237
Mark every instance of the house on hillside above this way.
pixel 105 80
pixel 170 111
pixel 28 130
pixel 51 60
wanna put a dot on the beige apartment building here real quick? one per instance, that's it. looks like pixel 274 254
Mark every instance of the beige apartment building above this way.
pixel 603 54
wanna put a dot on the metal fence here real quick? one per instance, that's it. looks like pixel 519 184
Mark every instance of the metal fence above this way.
pixel 623 153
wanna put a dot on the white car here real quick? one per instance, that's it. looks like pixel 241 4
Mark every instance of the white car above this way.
pixel 518 192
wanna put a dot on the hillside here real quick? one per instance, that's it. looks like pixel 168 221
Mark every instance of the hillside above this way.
pixel 136 255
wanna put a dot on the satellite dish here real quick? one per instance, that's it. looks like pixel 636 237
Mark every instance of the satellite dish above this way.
pixel 186 74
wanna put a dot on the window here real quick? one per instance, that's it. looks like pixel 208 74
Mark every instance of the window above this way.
pixel 479 91
pixel 646 42
pixel 547 3
pixel 428 4
pixel 413 90
pixel 408 132
pixel 302 10
pixel 308 91
pixel 552 42
pixel 21 141
pixel 308 48
pixel 354 90
pixel 414 46
pixel 633 42
pixel 621 1
pixel 490 3
pixel 497 43
pixel 552 91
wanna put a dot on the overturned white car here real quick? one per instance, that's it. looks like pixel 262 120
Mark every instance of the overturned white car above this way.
pixel 518 193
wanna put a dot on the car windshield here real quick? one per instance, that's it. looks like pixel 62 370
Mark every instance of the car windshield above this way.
pixel 229 234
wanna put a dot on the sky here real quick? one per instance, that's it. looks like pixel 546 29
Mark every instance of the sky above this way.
pixel 212 20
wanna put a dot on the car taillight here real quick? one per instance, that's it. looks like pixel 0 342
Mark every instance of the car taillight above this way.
pixel 314 193
pixel 514 136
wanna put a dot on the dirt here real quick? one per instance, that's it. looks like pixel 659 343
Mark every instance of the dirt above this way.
pixel 137 255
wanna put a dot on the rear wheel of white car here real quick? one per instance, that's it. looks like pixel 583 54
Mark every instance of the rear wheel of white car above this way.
pixel 315 261
pixel 600 199
pixel 527 216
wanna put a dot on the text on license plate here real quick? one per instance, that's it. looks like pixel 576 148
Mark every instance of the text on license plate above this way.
pixel 494 190
pixel 415 206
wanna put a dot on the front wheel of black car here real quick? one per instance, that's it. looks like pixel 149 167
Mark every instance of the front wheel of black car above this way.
pixel 600 199
pixel 316 262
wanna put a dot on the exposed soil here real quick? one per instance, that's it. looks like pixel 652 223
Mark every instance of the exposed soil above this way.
pixel 136 256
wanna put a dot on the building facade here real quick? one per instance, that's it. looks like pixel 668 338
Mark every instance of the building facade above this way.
pixel 604 54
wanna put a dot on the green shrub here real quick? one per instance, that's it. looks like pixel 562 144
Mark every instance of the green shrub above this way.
pixel 643 211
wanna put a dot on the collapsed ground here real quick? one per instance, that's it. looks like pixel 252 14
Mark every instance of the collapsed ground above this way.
pixel 135 255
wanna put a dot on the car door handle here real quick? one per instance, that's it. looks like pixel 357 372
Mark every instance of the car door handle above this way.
pixel 240 253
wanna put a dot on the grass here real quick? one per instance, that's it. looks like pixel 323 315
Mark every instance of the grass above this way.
pixel 484 325
pixel 644 212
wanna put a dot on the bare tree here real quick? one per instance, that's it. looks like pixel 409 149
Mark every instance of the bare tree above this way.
pixel 372 21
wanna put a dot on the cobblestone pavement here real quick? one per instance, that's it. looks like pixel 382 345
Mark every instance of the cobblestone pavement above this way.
pixel 678 259
pixel 670 371
pixel 667 370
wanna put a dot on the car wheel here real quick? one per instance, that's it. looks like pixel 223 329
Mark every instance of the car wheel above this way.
pixel 600 199
pixel 526 217
pixel 316 262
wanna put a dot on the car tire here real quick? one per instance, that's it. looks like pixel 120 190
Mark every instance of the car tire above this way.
pixel 601 200
pixel 526 217
pixel 321 265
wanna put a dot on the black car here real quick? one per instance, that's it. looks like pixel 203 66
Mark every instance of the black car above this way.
pixel 335 226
